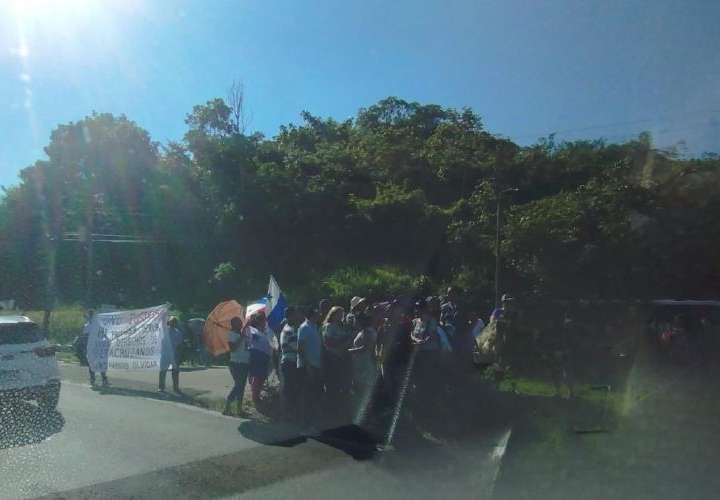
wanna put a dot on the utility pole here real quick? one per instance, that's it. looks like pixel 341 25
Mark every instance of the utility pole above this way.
pixel 51 247
pixel 86 234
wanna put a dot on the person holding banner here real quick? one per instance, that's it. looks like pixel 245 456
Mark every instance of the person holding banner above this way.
pixel 84 341
pixel 239 364
pixel 169 355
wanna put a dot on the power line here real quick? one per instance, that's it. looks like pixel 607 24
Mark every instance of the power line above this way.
pixel 80 235
pixel 125 241
pixel 661 132
pixel 613 124
pixel 109 238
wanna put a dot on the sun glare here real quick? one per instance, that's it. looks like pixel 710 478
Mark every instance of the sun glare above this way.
pixel 67 30
pixel 30 10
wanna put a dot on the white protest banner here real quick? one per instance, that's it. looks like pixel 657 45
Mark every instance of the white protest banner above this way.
pixel 127 340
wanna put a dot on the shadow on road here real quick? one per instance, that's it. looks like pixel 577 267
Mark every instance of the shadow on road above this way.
pixel 26 424
pixel 187 396
pixel 184 369
pixel 352 440
pixel 272 434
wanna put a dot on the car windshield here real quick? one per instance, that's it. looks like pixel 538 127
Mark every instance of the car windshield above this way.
pixel 404 249
pixel 20 333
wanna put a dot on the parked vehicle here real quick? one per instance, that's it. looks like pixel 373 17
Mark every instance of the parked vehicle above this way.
pixel 28 368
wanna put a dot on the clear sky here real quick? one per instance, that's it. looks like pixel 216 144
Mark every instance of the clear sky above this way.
pixel 582 68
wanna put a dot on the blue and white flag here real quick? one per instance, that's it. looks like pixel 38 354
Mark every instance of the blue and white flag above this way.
pixel 273 305
pixel 276 305
pixel 260 305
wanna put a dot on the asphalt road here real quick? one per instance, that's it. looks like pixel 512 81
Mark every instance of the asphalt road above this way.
pixel 115 445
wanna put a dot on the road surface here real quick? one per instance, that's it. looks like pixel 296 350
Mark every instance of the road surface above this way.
pixel 117 445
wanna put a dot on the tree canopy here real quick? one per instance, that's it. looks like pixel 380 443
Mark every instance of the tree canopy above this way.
pixel 403 195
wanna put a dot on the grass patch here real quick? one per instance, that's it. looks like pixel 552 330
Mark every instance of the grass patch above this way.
pixel 542 388
pixel 527 386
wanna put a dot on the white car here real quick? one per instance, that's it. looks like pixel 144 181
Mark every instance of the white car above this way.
pixel 28 368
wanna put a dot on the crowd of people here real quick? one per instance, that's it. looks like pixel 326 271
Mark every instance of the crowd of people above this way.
pixel 339 363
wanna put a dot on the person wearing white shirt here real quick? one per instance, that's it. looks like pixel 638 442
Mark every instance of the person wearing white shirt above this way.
pixel 239 364
pixel 84 341
pixel 477 326
pixel 291 380
pixel 261 339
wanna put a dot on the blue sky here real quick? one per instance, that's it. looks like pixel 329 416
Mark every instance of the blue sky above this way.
pixel 585 69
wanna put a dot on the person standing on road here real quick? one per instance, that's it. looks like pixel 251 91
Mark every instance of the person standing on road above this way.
pixel 427 341
pixel 309 360
pixel 170 355
pixel 449 309
pixel 239 364
pixel 505 304
pixel 365 369
pixel 261 350
pixel 358 307
pixel 396 346
pixel 324 307
pixel 337 339
pixel 476 324
pixel 290 385
pixel 83 342
pixel 502 318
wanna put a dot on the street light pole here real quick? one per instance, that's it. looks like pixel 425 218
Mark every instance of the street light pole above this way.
pixel 498 222
pixel 498 212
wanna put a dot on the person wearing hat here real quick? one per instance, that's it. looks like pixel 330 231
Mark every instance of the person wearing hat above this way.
pixel 364 369
pixel 170 355
pixel 502 318
pixel 358 306
pixel 505 304
pixel 449 308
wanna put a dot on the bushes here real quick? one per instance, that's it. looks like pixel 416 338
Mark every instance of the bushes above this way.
pixel 376 282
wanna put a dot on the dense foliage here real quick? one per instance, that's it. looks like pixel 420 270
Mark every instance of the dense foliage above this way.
pixel 402 196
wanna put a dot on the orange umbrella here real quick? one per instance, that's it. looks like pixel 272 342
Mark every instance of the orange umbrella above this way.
pixel 217 326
